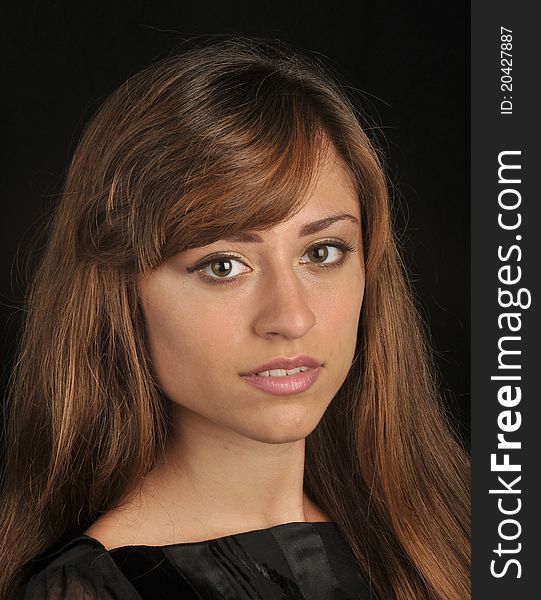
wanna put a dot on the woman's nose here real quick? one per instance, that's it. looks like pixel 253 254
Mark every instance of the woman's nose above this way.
pixel 283 308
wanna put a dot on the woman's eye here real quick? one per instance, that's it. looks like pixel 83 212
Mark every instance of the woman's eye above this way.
pixel 324 254
pixel 224 268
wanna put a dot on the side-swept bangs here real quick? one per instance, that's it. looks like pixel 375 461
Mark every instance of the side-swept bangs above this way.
pixel 208 145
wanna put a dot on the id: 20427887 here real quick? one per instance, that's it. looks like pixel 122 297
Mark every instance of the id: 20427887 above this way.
pixel 506 70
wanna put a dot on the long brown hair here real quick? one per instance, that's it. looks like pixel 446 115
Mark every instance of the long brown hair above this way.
pixel 223 138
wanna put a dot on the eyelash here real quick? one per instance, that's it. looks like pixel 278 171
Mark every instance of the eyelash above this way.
pixel 344 247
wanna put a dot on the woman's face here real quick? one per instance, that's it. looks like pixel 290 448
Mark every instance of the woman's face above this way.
pixel 215 314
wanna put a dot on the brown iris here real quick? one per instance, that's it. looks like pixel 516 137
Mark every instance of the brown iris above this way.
pixel 224 267
pixel 319 253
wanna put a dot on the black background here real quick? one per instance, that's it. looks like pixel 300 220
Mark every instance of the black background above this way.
pixel 409 60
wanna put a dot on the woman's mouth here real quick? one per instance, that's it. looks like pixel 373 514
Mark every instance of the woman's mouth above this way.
pixel 283 382
pixel 282 372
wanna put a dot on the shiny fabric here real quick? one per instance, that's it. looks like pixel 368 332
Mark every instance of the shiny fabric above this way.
pixel 293 561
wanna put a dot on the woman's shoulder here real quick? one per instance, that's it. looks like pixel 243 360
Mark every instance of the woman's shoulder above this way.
pixel 80 569
pixel 84 569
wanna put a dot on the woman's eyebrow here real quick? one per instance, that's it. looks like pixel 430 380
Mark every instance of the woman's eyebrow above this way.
pixel 307 229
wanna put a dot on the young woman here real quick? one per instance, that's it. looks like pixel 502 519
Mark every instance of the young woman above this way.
pixel 223 389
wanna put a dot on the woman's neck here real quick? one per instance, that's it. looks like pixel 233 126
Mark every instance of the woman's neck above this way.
pixel 212 483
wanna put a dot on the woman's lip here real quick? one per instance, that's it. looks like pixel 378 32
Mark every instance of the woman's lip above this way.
pixel 285 385
pixel 283 362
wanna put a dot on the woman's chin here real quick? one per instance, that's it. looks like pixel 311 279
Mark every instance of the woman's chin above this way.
pixel 285 429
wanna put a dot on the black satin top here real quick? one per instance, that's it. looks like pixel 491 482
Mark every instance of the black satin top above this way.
pixel 292 561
